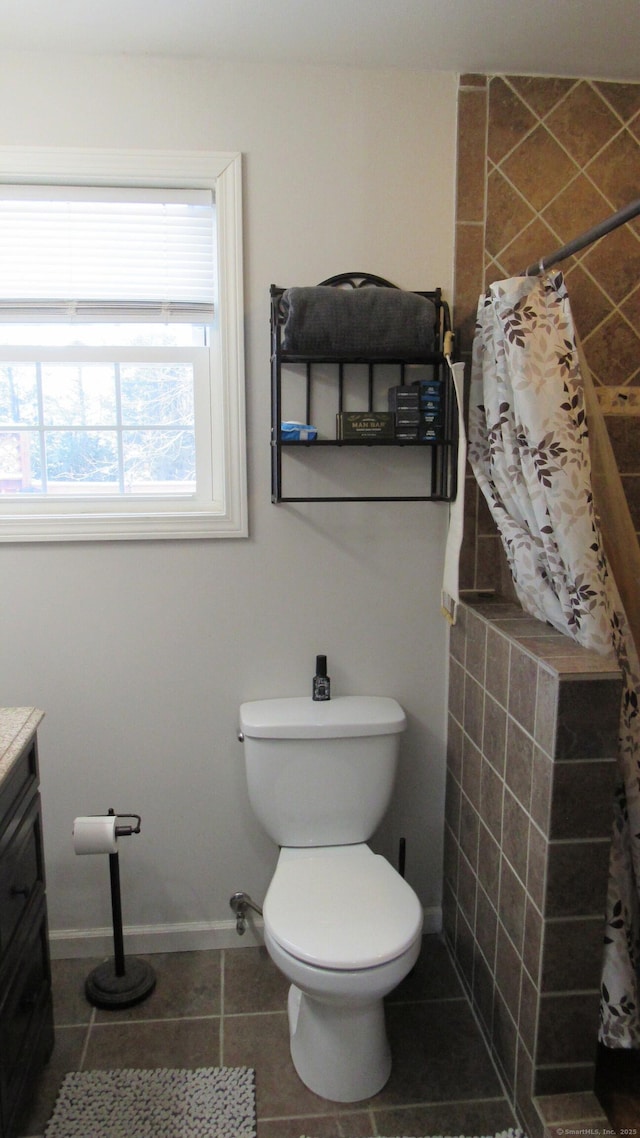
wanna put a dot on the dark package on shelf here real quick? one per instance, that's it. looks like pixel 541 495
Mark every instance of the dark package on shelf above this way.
pixel 364 425
pixel 430 426
pixel 406 396
pixel 429 394
pixel 407 426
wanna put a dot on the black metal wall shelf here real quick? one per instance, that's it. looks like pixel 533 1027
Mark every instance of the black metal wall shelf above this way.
pixel 440 454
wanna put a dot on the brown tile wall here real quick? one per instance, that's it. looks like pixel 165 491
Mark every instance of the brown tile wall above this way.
pixel 531 757
pixel 540 161
pixel 624 433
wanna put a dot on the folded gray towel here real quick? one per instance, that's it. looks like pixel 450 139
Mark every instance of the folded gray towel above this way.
pixel 366 322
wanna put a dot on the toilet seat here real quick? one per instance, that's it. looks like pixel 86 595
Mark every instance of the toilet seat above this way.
pixel 340 907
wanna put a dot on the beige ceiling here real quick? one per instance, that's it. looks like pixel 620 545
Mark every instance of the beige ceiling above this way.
pixel 590 38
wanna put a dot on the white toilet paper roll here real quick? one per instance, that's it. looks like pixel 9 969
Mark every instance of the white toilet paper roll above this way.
pixel 95 835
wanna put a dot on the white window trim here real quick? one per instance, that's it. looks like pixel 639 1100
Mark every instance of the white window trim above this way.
pixel 198 170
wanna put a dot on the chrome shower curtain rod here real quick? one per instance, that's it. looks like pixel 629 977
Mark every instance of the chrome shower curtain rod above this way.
pixel 623 215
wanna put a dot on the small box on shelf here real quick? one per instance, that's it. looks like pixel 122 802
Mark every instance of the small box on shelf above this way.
pixel 364 425
pixel 405 397
pixel 430 426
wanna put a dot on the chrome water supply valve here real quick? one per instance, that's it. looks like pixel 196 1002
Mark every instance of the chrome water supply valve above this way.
pixel 240 902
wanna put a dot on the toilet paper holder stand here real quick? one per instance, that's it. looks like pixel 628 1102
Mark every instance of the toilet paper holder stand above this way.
pixel 121 982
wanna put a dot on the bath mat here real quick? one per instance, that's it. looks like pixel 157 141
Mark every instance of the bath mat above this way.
pixel 208 1102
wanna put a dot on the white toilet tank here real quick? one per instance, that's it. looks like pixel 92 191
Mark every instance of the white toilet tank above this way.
pixel 321 773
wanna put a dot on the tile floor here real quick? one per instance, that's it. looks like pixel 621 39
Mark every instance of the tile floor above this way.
pixel 227 1007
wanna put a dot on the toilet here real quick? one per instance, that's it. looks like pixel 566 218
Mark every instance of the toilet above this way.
pixel 339 922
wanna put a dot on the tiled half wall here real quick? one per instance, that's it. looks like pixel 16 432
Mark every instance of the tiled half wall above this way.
pixel 532 740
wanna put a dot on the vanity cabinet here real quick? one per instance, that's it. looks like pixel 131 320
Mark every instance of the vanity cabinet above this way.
pixel 26 1013
pixel 343 379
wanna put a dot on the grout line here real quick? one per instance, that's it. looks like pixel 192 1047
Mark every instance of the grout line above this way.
pixel 439 1102
pixel 222 993
pixel 62 1025
pixel 427 1000
pixel 279 1011
pixel 257 1015
pixel 374 1111
pixel 337 1113
pixel 149 1020
pixel 85 1046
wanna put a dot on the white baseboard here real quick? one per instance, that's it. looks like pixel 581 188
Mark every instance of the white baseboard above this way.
pixel 188 937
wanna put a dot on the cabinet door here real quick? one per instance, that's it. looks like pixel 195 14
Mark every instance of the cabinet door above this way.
pixel 19 783
pixel 25 1014
pixel 21 872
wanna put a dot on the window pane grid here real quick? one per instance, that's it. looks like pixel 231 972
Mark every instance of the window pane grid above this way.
pixel 41 446
pixel 144 445
pixel 120 438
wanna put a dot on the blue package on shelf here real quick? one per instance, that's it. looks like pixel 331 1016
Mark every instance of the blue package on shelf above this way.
pixel 430 389
pixel 297 432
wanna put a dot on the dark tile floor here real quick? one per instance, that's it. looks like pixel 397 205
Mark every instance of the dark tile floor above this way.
pixel 227 1008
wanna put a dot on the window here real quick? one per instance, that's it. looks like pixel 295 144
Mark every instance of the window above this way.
pixel 121 361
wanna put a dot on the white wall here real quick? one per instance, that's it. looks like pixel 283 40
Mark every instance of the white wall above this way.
pixel 140 653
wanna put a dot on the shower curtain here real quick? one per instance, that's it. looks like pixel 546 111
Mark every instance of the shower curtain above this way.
pixel 529 450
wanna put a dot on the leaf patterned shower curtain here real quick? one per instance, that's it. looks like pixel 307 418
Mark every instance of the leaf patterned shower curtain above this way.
pixel 529 450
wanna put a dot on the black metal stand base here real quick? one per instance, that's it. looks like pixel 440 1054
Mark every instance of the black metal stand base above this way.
pixel 105 989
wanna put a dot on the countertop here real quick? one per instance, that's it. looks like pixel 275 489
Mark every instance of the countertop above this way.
pixel 17 727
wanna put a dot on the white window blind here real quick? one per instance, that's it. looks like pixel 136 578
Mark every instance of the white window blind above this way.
pixel 106 254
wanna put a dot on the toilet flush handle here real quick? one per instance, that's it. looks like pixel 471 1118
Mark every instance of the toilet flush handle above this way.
pixel 240 737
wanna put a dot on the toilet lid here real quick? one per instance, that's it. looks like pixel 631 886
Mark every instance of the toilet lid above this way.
pixel 340 907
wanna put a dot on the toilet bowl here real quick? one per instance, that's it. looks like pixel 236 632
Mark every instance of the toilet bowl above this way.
pixel 340 923
pixel 345 929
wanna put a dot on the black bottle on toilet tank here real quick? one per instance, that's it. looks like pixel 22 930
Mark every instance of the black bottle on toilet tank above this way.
pixel 321 681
